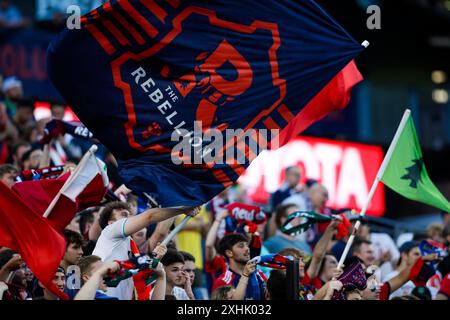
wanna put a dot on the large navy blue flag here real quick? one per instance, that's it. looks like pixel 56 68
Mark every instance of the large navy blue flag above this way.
pixel 139 73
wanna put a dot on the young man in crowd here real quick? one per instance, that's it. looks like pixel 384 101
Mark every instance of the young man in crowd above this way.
pixel 409 253
pixel 7 174
pixel 234 247
pixel 363 249
pixel 178 281
pixel 12 276
pixel 115 242
pixel 74 249
pixel 189 265
pixel 88 266
pixel 92 271
pixel 59 280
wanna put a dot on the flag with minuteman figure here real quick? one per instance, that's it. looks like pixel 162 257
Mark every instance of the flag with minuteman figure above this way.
pixel 406 173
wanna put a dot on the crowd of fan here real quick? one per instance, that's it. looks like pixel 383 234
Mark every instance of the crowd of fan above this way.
pixel 205 260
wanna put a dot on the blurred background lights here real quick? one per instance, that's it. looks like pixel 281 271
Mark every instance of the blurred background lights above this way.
pixel 438 76
pixel 440 96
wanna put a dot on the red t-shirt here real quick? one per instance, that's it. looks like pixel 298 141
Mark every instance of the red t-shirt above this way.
pixel 216 267
pixel 315 282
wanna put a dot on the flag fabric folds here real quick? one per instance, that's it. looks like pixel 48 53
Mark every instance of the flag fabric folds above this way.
pixel 27 232
pixel 273 260
pixel 334 96
pixel 406 174
pixel 85 188
pixel 148 76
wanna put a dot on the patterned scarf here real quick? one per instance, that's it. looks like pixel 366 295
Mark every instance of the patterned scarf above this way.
pixel 40 174
pixel 307 218
pixel 141 264
pixel 274 261
pixel 354 277
pixel 56 128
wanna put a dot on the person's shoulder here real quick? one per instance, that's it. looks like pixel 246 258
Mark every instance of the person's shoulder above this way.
pixel 180 293
pixel 119 224
pixel 178 290
pixel 110 226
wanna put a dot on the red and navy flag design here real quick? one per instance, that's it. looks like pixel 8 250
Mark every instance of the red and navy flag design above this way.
pixel 139 70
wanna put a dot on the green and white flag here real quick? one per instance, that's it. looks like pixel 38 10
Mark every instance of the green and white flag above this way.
pixel 405 171
pixel 300 221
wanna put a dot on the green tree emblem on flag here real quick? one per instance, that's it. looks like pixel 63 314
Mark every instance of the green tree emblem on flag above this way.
pixel 414 173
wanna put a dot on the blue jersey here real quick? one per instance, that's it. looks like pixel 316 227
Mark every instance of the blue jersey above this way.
pixel 256 288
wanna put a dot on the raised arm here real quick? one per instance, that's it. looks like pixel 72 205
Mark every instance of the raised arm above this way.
pixel 404 276
pixel 159 289
pixel 241 288
pixel 321 249
pixel 140 221
pixel 210 250
pixel 45 159
pixel 160 233
pixel 12 265
pixel 87 292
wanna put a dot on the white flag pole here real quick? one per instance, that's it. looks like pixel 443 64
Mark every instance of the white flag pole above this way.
pixel 73 175
pixel 380 173
pixel 176 230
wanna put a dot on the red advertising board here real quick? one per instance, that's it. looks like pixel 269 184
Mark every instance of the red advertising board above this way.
pixel 346 169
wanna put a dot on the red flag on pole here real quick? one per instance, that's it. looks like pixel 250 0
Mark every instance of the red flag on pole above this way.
pixel 28 233
pixel 65 196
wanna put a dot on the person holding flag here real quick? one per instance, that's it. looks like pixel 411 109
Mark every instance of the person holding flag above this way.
pixel 115 242
pixel 235 248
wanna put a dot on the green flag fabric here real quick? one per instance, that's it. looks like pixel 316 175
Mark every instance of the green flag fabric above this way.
pixel 406 173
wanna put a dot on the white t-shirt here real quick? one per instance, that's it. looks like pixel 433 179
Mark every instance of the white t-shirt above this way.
pixel 180 293
pixel 404 290
pixel 112 245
